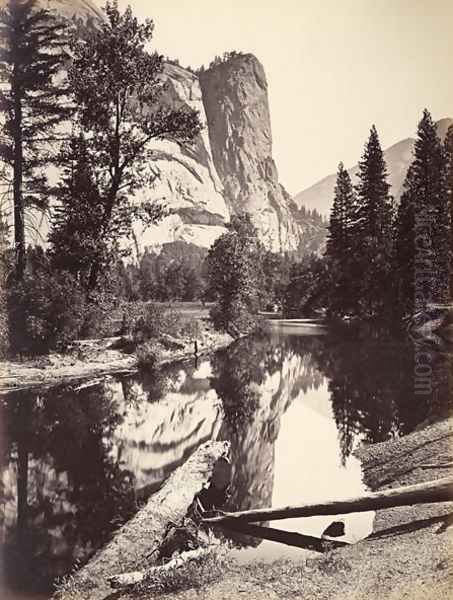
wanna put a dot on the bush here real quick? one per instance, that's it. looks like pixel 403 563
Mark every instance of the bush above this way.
pixel 148 355
pixel 148 321
pixel 46 311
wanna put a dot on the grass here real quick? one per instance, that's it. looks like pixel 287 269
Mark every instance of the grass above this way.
pixel 194 574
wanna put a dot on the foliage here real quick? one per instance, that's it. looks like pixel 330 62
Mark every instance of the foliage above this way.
pixel 372 231
pixel 4 271
pixel 341 246
pixel 33 101
pixel 46 309
pixel 117 87
pixel 423 226
pixel 449 159
pixel 276 272
pixel 148 354
pixel 234 266
pixel 308 288
pixel 75 244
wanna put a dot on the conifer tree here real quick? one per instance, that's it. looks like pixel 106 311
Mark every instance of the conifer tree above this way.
pixel 373 229
pixel 340 244
pixel 449 159
pixel 32 99
pixel 403 251
pixel 422 244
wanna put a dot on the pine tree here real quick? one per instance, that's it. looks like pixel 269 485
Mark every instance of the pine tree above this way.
pixel 118 87
pixel 449 159
pixel 403 251
pixel 32 98
pixel 76 219
pixel 373 229
pixel 340 244
pixel 422 243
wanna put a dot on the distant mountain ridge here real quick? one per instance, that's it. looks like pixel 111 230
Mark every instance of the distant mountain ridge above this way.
pixel 398 158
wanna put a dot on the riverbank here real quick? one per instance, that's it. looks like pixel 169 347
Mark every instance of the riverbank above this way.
pixel 409 555
pixel 93 359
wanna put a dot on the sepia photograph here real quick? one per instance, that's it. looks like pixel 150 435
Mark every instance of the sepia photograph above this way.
pixel 226 300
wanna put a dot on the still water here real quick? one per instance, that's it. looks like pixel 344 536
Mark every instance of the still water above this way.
pixel 77 463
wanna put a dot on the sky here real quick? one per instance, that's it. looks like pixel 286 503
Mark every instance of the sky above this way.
pixel 333 67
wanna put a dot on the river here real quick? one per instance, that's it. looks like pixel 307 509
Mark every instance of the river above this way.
pixel 77 463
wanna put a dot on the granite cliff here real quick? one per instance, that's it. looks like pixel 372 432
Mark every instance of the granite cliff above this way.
pixel 228 170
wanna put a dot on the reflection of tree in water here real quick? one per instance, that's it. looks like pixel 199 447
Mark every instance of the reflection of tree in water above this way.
pixel 69 490
pixel 257 379
pixel 372 388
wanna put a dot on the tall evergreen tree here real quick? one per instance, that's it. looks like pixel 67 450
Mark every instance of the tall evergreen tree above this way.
pixel 449 159
pixel 31 55
pixel 373 229
pixel 340 244
pixel 423 225
pixel 403 250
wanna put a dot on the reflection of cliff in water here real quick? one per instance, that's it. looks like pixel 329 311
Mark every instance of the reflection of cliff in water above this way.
pixel 257 380
pixel 74 464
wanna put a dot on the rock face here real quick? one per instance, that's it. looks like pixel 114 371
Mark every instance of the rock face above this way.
pixel 236 104
pixel 398 158
pixel 228 170
pixel 187 180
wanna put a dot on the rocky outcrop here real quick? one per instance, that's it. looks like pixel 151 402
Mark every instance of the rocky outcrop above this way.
pixel 187 181
pixel 229 169
pixel 237 109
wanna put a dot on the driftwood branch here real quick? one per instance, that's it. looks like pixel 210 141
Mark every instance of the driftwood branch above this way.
pixel 440 490
pixel 134 577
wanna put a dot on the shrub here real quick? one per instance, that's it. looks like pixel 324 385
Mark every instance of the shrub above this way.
pixel 148 355
pixel 46 311
pixel 148 321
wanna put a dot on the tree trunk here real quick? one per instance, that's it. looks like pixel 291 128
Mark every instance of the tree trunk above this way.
pixel 440 490
pixel 19 217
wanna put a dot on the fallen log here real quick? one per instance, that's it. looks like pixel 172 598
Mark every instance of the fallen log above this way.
pixel 445 465
pixel 289 538
pixel 135 577
pixel 142 536
pixel 440 490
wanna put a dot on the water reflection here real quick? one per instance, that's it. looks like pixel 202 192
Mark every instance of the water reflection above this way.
pixel 77 463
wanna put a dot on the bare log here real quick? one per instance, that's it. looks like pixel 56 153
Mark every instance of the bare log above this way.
pixel 134 577
pixel 445 465
pixel 440 490
pixel 143 534
pixel 289 538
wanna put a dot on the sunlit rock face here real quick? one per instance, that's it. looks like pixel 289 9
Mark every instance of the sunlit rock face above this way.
pixel 236 102
pixel 228 169
pixel 187 181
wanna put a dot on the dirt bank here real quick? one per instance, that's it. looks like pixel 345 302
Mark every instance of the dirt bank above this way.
pixel 408 556
pixel 90 359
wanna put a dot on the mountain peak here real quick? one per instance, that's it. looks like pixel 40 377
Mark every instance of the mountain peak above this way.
pixel 398 158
